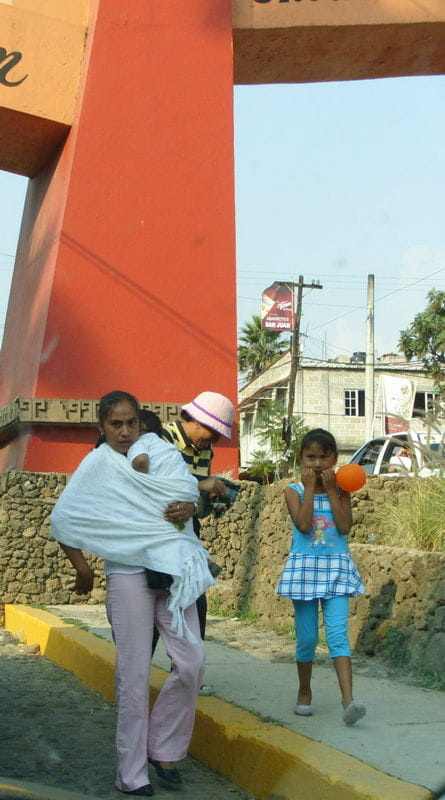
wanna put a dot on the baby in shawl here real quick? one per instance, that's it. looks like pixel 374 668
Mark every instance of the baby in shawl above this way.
pixel 111 510
pixel 153 456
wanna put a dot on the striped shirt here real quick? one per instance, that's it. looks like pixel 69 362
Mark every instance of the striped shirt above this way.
pixel 198 461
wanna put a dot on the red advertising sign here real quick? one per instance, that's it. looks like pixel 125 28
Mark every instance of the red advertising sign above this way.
pixel 277 308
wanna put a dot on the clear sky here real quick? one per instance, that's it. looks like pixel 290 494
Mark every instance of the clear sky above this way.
pixel 334 181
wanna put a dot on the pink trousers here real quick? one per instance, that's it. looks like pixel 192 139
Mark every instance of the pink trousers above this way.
pixel 132 610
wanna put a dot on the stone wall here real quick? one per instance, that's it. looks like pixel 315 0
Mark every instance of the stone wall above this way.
pixel 404 605
pixel 33 567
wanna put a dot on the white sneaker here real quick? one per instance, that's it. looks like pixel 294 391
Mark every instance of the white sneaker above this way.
pixel 353 712
pixel 206 690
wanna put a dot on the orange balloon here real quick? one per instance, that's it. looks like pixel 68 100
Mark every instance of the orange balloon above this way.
pixel 351 477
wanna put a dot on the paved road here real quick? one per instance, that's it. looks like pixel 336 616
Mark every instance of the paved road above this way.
pixel 54 731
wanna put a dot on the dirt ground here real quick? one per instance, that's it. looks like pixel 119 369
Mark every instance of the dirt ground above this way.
pixel 56 732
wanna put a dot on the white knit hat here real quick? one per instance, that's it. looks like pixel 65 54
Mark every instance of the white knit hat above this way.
pixel 212 410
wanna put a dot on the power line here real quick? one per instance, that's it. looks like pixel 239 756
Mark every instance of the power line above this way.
pixel 396 291
pixel 255 271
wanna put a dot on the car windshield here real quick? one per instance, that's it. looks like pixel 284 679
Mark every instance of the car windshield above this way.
pixel 368 455
pixel 434 452
pixel 398 457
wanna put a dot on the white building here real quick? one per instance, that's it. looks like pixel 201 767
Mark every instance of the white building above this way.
pixel 331 395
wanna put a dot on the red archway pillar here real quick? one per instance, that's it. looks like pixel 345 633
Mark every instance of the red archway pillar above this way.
pixel 125 274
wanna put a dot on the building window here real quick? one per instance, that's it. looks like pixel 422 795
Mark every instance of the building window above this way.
pixel 424 402
pixel 281 397
pixel 247 424
pixel 354 402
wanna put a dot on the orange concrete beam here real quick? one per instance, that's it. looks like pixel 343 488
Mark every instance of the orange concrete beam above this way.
pixel 300 41
pixel 275 41
pixel 41 55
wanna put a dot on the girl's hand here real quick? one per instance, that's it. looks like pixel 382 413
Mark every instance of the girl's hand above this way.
pixel 179 513
pixel 308 477
pixel 328 479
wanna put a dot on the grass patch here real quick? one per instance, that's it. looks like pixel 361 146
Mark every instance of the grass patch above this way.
pixel 415 520
pixel 393 650
pixel 393 647
pixel 76 622
pixel 285 630
pixel 430 680
pixel 216 608
pixel 245 614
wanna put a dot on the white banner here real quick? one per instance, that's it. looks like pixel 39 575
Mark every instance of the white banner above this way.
pixel 397 403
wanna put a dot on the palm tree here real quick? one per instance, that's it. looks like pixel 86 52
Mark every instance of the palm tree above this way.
pixel 257 348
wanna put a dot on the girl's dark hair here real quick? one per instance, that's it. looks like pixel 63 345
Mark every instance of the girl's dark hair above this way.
pixel 321 437
pixel 107 403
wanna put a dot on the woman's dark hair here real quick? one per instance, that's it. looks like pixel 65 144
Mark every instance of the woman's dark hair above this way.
pixel 321 437
pixel 107 403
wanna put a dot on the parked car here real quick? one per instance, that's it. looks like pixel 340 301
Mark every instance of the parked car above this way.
pixel 410 453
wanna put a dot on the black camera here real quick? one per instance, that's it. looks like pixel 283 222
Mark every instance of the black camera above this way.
pixel 218 505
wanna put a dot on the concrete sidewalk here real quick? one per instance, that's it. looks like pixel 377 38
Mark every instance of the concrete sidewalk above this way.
pixel 401 736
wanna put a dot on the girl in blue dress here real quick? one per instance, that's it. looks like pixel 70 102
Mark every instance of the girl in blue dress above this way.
pixel 319 569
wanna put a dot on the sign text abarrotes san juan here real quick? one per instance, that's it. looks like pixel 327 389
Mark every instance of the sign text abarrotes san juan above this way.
pixel 7 62
pixel 296 1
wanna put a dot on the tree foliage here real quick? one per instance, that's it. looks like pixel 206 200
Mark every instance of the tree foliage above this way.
pixel 425 338
pixel 261 466
pixel 276 457
pixel 257 348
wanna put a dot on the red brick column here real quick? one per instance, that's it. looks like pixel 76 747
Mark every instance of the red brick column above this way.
pixel 126 267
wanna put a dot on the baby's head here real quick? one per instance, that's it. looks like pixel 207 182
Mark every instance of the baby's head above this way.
pixel 150 422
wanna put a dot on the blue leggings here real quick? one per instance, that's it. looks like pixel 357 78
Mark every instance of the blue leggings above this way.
pixel 335 617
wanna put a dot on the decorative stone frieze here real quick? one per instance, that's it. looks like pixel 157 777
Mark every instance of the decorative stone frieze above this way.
pixel 58 411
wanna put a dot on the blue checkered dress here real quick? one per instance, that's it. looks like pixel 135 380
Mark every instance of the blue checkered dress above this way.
pixel 319 564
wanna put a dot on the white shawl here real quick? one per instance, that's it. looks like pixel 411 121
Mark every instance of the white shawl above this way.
pixel 112 511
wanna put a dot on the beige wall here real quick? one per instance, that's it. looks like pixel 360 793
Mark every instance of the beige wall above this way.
pixel 35 115
pixel 72 11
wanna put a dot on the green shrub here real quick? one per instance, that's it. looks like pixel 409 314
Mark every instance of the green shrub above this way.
pixel 216 605
pixel 415 520
pixel 393 646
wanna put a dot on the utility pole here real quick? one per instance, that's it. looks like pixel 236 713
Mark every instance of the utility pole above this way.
pixel 295 349
pixel 369 370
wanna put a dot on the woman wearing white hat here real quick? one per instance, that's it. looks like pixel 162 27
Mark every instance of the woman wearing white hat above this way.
pixel 203 421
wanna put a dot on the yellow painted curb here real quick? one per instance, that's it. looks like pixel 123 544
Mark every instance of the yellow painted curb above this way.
pixel 25 790
pixel 89 658
pixel 271 762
